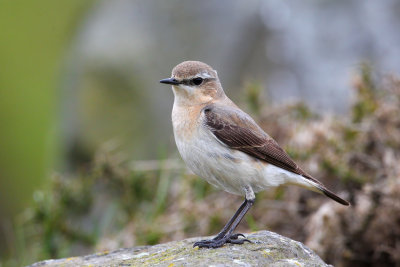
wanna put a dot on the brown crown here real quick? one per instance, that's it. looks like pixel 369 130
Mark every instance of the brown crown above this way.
pixel 190 68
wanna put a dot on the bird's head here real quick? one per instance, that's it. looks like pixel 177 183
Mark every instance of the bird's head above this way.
pixel 194 83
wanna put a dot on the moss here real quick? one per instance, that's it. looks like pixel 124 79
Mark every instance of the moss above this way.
pixel 268 249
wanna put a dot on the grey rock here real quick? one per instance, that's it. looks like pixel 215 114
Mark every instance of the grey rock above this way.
pixel 267 249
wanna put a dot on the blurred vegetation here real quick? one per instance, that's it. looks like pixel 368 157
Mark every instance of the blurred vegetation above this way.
pixel 115 202
pixel 33 37
pixel 254 97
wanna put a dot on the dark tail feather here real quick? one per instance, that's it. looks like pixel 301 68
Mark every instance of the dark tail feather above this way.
pixel 333 196
pixel 324 190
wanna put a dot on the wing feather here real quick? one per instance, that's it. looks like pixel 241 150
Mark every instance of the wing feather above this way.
pixel 239 131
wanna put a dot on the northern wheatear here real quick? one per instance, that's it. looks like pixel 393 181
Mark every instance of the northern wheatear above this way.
pixel 222 144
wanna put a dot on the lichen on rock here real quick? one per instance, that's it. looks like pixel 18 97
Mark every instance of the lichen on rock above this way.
pixel 267 249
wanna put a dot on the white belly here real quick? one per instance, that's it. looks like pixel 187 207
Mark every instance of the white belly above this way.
pixel 230 170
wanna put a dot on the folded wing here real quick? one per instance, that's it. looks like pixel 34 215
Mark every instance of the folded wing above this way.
pixel 237 130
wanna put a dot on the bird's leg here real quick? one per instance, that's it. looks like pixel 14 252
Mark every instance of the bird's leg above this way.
pixel 233 238
pixel 231 220
pixel 226 235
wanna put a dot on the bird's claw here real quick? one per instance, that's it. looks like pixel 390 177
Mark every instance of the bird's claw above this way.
pixel 216 243
pixel 236 236
pixel 238 241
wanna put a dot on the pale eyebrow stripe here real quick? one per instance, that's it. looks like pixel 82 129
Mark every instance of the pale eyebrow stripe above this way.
pixel 203 75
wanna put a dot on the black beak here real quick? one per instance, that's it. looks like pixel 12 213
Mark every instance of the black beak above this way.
pixel 172 81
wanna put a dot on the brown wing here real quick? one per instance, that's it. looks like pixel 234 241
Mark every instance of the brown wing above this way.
pixel 238 131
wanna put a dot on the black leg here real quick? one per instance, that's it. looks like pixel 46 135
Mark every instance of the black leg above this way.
pixel 247 207
pixel 226 235
pixel 231 220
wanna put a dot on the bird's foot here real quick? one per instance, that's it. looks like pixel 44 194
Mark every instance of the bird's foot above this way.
pixel 219 242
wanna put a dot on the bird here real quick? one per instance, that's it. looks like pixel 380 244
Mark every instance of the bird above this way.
pixel 224 145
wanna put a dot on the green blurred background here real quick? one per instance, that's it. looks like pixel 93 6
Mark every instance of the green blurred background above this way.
pixel 87 158
pixel 35 36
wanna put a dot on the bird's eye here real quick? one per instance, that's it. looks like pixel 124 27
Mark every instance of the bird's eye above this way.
pixel 197 81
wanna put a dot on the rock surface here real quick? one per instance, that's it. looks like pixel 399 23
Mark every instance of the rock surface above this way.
pixel 266 249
